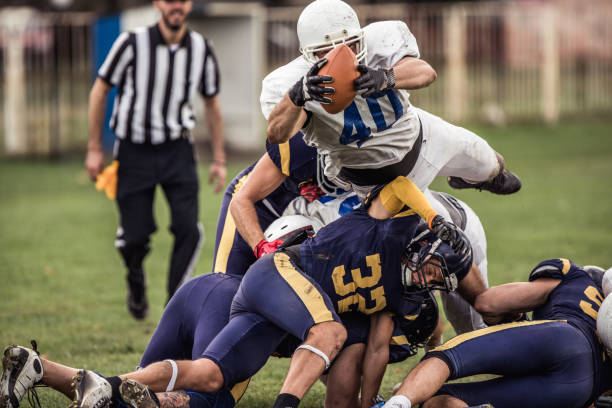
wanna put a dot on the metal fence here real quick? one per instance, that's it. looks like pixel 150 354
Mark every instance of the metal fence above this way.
pixel 497 61
pixel 45 67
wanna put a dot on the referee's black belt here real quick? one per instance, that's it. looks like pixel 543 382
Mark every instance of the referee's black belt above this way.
pixel 384 175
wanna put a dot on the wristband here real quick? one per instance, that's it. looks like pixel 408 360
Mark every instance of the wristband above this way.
pixel 390 75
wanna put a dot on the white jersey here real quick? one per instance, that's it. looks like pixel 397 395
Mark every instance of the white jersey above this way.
pixel 370 133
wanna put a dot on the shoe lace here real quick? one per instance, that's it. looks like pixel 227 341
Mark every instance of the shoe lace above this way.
pixel 32 394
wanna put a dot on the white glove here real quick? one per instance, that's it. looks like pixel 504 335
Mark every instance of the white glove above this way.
pixel 398 401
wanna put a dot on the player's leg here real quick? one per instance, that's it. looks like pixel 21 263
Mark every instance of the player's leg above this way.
pixel 516 350
pixel 307 314
pixel 344 378
pixel 454 151
pixel 135 194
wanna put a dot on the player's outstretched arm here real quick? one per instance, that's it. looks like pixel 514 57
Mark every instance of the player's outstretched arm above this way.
pixel 413 73
pixel 506 302
pixel 376 357
pixel 263 180
pixel 285 121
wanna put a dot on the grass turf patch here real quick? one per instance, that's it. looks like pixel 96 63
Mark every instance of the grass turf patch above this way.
pixel 62 281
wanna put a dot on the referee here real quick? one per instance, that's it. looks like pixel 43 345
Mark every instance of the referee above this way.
pixel 157 71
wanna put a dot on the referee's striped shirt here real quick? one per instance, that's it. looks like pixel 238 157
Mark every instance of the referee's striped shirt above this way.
pixel 156 83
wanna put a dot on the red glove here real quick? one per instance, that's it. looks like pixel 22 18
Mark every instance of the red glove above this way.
pixel 265 247
pixel 310 191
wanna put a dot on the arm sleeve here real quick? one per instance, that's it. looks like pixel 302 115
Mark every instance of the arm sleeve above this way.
pixel 210 75
pixel 117 60
pixel 403 192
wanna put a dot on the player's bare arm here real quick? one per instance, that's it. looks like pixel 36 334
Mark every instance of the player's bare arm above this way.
pixel 376 357
pixel 285 121
pixel 214 122
pixel 413 73
pixel 94 161
pixel 472 285
pixel 263 180
pixel 499 302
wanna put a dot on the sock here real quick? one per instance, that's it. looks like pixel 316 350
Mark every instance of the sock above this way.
pixel 286 401
pixel 115 382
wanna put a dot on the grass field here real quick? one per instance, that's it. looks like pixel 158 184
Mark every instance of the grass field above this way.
pixel 61 280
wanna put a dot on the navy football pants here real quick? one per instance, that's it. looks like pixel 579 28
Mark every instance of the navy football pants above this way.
pixel 541 363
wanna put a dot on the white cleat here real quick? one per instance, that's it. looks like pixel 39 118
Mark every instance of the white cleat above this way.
pixel 21 370
pixel 90 390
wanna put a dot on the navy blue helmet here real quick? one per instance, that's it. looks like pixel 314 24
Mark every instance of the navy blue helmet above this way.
pixel 427 249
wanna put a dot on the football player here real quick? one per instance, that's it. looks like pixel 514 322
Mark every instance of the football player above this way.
pixel 556 360
pixel 256 197
pixel 300 291
pixel 380 136
pixel 457 304
pixel 260 193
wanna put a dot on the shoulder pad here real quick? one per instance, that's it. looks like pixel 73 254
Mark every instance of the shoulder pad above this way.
pixel 552 268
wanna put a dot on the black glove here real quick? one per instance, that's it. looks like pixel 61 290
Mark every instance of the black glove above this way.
pixel 449 233
pixel 308 87
pixel 373 80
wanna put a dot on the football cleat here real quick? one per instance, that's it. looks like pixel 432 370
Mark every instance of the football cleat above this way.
pixel 90 390
pixel 504 183
pixel 21 371
pixel 137 395
pixel 137 296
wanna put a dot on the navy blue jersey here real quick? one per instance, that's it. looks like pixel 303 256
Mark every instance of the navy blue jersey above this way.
pixel 556 360
pixel 577 299
pixel 357 261
pixel 294 159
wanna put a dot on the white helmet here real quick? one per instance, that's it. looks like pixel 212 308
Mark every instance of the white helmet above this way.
pixel 324 24
pixel 284 226
pixel 606 282
pixel 604 324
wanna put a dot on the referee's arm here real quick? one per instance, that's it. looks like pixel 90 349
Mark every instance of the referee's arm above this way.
pixel 214 121
pixel 94 161
pixel 209 88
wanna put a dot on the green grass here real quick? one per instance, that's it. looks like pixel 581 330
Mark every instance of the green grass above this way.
pixel 62 283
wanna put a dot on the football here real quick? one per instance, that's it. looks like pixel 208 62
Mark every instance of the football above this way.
pixel 342 67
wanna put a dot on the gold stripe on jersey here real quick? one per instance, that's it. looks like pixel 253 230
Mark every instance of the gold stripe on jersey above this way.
pixel 285 156
pixel 455 341
pixel 566 265
pixel 229 232
pixel 239 389
pixel 398 340
pixel 308 294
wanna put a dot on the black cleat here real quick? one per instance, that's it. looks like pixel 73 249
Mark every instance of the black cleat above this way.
pixel 137 296
pixel 504 183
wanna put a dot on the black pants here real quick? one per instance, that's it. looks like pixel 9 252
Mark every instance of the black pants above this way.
pixel 141 168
